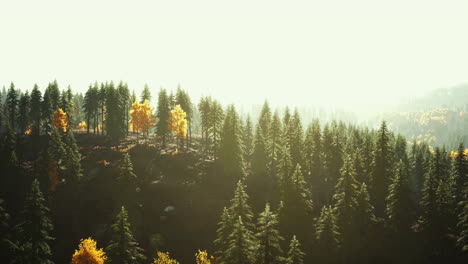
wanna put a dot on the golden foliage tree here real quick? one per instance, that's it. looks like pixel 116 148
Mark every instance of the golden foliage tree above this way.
pixel 177 122
pixel 142 117
pixel 164 258
pixel 60 120
pixel 202 258
pixel 82 126
pixel 87 253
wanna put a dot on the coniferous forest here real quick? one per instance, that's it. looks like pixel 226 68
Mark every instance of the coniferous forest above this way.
pixel 109 177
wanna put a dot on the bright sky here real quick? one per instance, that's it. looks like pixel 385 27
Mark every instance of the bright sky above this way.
pixel 335 53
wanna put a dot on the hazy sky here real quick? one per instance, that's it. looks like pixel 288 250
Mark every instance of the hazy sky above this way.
pixel 340 53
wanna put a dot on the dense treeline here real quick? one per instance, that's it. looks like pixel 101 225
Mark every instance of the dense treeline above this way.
pixel 324 193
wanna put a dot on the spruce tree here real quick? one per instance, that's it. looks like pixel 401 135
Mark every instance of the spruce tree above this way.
pixel 123 248
pixel 345 209
pixel 225 227
pixel 115 115
pixel 259 181
pixel 145 94
pixel 248 140
pixel 460 173
pixel 240 245
pixel 215 128
pixel 72 160
pixel 36 100
pixel 274 143
pixel 399 209
pixel 296 138
pixel 312 152
pixel 35 227
pixel 127 184
pixel 382 169
pixel 240 207
pixel 11 104
pixel 295 254
pixel 268 238
pixel 265 117
pixel 231 155
pixel 327 236
pixel 24 107
pixel 162 115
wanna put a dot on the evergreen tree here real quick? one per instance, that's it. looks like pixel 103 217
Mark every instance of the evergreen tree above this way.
pixel 462 225
pixel 123 248
pixel 399 205
pixel 332 159
pixel 72 160
pixel 225 227
pixel 231 155
pixel 35 227
pixel 127 184
pixel 125 97
pixel 268 238
pixel 115 115
pixel 296 138
pixel 162 115
pixel 36 100
pixel 240 207
pixel 12 102
pixel 345 209
pixel 327 236
pixel 145 94
pixel 90 106
pixel 216 126
pixel 265 117
pixel 259 181
pixel 312 151
pixel 460 173
pixel 240 245
pixel 382 168
pixel 419 161
pixel 248 140
pixel 295 254
pixel 24 107
pixel 274 143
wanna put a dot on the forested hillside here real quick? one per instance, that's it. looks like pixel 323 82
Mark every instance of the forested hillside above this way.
pixel 106 177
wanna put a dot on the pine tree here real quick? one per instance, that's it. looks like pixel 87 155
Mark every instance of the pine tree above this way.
pixel 240 206
pixel 268 238
pixel 259 181
pixel 35 113
pixel 225 227
pixel 295 254
pixel 12 102
pixel 123 248
pixel 312 151
pixel 231 155
pixel 127 184
pixel 419 161
pixel 145 94
pixel 116 126
pixel 248 140
pixel 295 215
pixel 24 107
pixel 296 138
pixel 240 246
pixel 460 173
pixel 327 236
pixel 274 143
pixel 332 159
pixel 216 118
pixel 399 204
pixel 265 117
pixel 345 209
pixel 382 168
pixel 35 227
pixel 162 114
pixel 72 160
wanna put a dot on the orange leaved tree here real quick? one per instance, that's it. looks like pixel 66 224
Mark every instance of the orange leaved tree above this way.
pixel 142 117
pixel 87 253
pixel 60 120
pixel 178 123
pixel 82 126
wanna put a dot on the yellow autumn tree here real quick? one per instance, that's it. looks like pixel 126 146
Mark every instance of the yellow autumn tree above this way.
pixel 177 123
pixel 202 257
pixel 164 258
pixel 142 117
pixel 60 120
pixel 87 253
pixel 82 126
